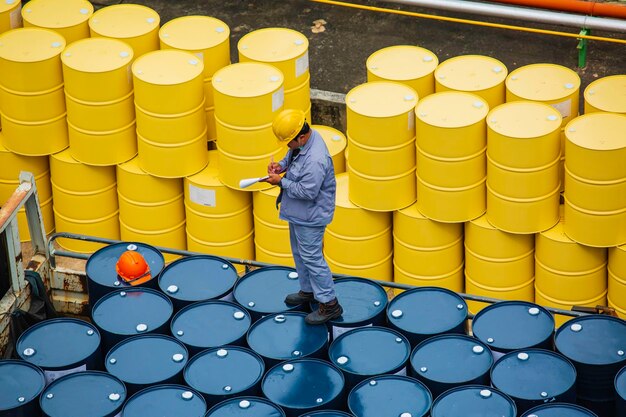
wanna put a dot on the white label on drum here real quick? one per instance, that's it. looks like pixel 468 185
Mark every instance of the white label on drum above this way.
pixel 15 17
pixel 54 375
pixel 411 122
pixel 202 196
pixel 337 331
pixel 564 107
pixel 497 355
pixel 401 372
pixel 302 64
pixel 200 55
pixel 278 99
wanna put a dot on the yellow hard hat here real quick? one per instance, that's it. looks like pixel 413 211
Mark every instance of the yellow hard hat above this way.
pixel 288 124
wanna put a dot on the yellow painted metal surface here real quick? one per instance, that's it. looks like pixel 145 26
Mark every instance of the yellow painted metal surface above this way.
pixel 48 220
pixel 141 187
pixel 299 97
pixel 617 279
pixel 236 168
pixel 382 161
pixel 595 228
pixel 412 227
pixel 484 239
pixel 247 142
pixel 382 193
pixel 32 107
pixel 452 173
pixel 285 49
pixel 71 175
pixel 103 148
pixel 453 281
pixel 381 270
pixel 428 261
pixel 35 138
pixel 478 74
pixel 107 227
pixel 86 205
pixel 101 116
pixel 271 234
pixel 336 143
pixel 241 249
pixel 67 17
pixel 408 64
pixel 595 195
pixel 523 182
pixel 10 15
pixel 173 160
pixel 211 129
pixel 162 128
pixel 606 94
pixel 522 292
pixel 285 259
pixel 451 204
pixel 135 24
pixel 545 300
pixel 499 272
pixel 173 237
pixel 546 83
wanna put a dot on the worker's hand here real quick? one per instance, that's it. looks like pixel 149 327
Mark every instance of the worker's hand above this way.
pixel 273 179
pixel 274 168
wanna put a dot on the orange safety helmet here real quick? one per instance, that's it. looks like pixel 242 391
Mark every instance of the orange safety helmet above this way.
pixel 132 267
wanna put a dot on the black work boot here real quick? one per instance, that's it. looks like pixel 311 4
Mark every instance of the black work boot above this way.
pixel 326 311
pixel 299 297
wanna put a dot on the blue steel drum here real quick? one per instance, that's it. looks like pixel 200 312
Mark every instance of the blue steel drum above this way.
pixel 102 277
pixel 285 336
pixel 198 278
pixel 263 290
pixel 91 393
pixel 304 385
pixel 61 346
pixel 369 351
pixel 559 410
pixel 20 386
pixel 148 359
pixel 363 303
pixel 535 376
pixel 130 312
pixel 451 360
pixel 165 400
pixel 423 312
pixel 620 388
pixel 473 401
pixel 246 407
pixel 209 324
pixel 511 325
pixel 390 395
pixel 225 372
pixel 327 413
pixel 596 345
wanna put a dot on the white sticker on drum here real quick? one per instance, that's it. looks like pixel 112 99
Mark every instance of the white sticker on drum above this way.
pixel 337 331
pixel 200 55
pixel 497 355
pixel 411 121
pixel 15 17
pixel 564 107
pixel 278 99
pixel 302 64
pixel 401 372
pixel 52 376
pixel 202 196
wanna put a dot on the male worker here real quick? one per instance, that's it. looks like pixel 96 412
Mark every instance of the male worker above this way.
pixel 308 204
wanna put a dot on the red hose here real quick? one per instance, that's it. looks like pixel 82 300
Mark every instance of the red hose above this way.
pixel 591 8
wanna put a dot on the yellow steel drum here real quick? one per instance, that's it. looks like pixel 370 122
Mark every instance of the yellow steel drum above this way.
pixel 241 249
pixel 27 107
pixel 484 239
pixel 101 116
pixel 595 228
pixel 27 138
pixel 381 270
pixel 559 319
pixel 382 193
pixel 406 64
pixel 67 17
pixel 453 172
pixel 617 279
pixel 271 233
pixel 521 292
pixel 523 182
pixel 237 167
pixel 117 145
pixel 10 15
pixel 595 195
pixel 211 133
pixel 478 74
pixel 173 237
pixel 382 161
pixel 106 227
pixel 299 98
pixel 380 114
pixel 551 84
pixel 247 142
pixel 285 49
pixel 47 214
pixel 497 272
pixel 606 94
pixel 134 24
pixel 449 204
pixel 336 143
pixel 162 128
pixel 453 280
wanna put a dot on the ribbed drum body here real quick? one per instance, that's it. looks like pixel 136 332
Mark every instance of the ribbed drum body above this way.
pixel 248 96
pixel 470 400
pixel 22 384
pixel 85 201
pixel 69 18
pixel 477 74
pixel 219 219
pixel 451 142
pixel 99 95
pixel 595 179
pixel 10 15
pixel 498 264
pixel 134 24
pixel 390 395
pixel 177 400
pixel 271 234
pixel 559 410
pixel 336 143
pixel 427 252
pixel 151 208
pixel 12 164
pixel 32 106
pixel 617 279
pixel 606 94
pixel 407 64
pixel 568 273
pixel 246 407
pixel 358 241
pixel 620 389
pixel 208 39
pixel 381 136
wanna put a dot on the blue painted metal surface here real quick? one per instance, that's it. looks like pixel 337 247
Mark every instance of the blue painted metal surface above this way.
pixel 91 393
pixel 369 351
pixel 208 324
pixel 596 345
pixel 534 376
pixel 165 400
pixel 129 312
pixel 390 395
pixel 263 290
pixel 246 407
pixel 225 372
pixel 327 413
pixel 145 360
pixel 512 325
pixel 559 410
pixel 451 360
pixel 286 336
pixel 197 278
pixel 102 277
pixel 60 346
pixel 423 312
pixel 20 386
pixel 620 389
pixel 304 385
pixel 473 401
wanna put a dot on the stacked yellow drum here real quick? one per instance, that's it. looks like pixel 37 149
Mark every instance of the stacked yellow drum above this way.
pixel 10 15
pixel 606 94
pixel 617 279
pixel 67 17
pixel 271 234
pixel 336 143
pixel 208 39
